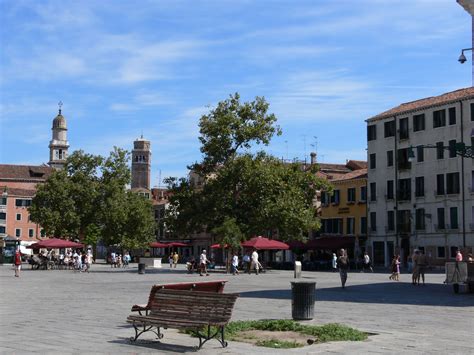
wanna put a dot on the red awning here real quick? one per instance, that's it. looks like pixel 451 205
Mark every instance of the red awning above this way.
pixel 158 245
pixel 330 243
pixel 265 244
pixel 218 246
pixel 177 244
pixel 55 243
pixel 296 244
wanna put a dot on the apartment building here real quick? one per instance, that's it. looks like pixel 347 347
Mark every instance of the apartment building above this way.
pixel 421 179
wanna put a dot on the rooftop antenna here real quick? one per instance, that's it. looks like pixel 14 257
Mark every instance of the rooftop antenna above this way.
pixel 304 142
pixel 159 178
pixel 60 104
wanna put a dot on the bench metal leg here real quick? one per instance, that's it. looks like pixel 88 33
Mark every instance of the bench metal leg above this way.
pixel 142 329
pixel 204 338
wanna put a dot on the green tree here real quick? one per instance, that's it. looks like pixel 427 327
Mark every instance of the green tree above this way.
pixel 244 194
pixel 89 199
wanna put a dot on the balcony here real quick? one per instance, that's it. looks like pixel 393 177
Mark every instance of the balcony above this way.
pixel 441 227
pixel 404 228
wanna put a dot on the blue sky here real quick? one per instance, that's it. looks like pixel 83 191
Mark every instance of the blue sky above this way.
pixel 123 68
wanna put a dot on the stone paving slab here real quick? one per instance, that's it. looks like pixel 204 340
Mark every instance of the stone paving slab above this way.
pixel 64 312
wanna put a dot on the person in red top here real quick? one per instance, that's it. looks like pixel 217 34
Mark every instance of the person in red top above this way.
pixel 17 263
pixel 458 255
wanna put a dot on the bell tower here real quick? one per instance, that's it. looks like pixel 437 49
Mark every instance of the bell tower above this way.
pixel 58 145
pixel 141 164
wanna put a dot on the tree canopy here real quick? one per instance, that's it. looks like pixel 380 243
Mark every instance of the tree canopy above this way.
pixel 88 199
pixel 243 194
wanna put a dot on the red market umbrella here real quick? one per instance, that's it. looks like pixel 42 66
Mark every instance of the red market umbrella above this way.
pixel 296 244
pixel 262 243
pixel 218 246
pixel 177 244
pixel 158 245
pixel 56 243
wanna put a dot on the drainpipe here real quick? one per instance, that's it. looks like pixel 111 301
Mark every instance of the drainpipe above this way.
pixel 463 197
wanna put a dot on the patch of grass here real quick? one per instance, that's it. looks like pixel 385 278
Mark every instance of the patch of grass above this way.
pixel 322 334
pixel 279 344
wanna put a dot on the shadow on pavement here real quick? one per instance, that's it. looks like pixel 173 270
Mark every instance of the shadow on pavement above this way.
pixel 154 344
pixel 385 293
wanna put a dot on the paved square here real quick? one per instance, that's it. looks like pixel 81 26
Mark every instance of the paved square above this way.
pixel 64 312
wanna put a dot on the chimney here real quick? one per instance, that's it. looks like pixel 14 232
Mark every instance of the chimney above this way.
pixel 313 158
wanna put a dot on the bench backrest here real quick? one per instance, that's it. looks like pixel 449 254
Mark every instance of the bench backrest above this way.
pixel 206 286
pixel 214 308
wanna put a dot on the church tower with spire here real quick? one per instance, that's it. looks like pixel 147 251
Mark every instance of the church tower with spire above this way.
pixel 141 166
pixel 58 145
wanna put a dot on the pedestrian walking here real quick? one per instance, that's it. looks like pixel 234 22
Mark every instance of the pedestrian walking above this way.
pixel 246 263
pixel 421 264
pixel 343 265
pixel 458 255
pixel 235 264
pixel 170 260
pixel 203 263
pixel 414 275
pixel 17 262
pixel 367 263
pixel 334 262
pixel 254 263
pixel 395 268
pixel 113 259
pixel 175 259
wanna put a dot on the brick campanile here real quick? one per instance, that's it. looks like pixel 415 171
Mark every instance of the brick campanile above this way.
pixel 141 164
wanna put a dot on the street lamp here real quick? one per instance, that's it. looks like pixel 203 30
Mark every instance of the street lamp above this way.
pixel 460 148
pixel 462 58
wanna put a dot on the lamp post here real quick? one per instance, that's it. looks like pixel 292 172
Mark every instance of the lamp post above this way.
pixel 462 150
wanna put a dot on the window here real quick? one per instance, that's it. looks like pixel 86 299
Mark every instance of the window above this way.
pixel 335 198
pixel 20 202
pixel 439 118
pixel 350 225
pixel 404 189
pixel 324 198
pixel 452 115
pixel 373 221
pixel 389 189
pixel 420 186
pixel 419 122
pixel 420 154
pixel 453 217
pixel 404 221
pixel 3 216
pixel 351 194
pixel 441 222
pixel 403 162
pixel 404 128
pixel 420 219
pixel 363 193
pixel 440 184
pixel 18 232
pixel 441 252
pixel 390 221
pixel 42 233
pixel 472 112
pixel 31 233
pixel 439 150
pixel 18 216
pixel 373 191
pixel 332 225
pixel 389 129
pixel 452 183
pixel 452 148
pixel 3 201
pixel 363 225
pixel 371 133
pixel 390 158
pixel 453 252
pixel 372 161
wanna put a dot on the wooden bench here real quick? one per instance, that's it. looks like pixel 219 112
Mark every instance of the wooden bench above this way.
pixel 206 286
pixel 194 311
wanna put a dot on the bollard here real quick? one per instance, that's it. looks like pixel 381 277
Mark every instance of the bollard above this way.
pixel 141 268
pixel 297 269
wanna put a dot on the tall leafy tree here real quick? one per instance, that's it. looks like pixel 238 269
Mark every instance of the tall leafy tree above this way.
pixel 244 194
pixel 89 200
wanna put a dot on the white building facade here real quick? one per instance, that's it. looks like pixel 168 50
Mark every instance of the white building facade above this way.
pixel 420 186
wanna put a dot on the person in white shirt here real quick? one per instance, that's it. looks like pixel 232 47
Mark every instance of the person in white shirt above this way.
pixel 255 264
pixel 235 264
pixel 203 263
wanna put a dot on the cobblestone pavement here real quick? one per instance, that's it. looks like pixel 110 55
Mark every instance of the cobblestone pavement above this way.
pixel 61 311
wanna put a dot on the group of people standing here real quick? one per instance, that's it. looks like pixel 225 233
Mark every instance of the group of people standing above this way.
pixel 249 263
pixel 119 261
